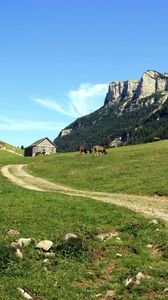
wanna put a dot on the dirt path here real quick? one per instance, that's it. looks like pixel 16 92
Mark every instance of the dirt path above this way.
pixel 152 206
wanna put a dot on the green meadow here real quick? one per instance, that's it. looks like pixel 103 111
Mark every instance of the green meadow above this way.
pixel 86 267
pixel 140 169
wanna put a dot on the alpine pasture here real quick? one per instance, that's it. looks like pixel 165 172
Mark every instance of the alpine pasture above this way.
pixel 116 254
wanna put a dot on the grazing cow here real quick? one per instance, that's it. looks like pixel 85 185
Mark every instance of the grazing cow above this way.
pixel 99 149
pixel 82 149
pixel 90 150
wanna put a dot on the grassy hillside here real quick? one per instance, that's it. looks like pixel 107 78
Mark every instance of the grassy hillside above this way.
pixel 136 121
pixel 9 147
pixel 86 268
pixel 137 169
pixel 102 126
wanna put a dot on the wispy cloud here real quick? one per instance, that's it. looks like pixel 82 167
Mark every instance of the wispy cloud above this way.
pixel 87 98
pixel 20 125
pixel 79 102
pixel 55 106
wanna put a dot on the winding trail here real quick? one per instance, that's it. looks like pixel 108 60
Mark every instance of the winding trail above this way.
pixel 152 206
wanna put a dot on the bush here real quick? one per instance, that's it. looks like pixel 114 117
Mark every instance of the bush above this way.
pixel 73 248
pixel 7 257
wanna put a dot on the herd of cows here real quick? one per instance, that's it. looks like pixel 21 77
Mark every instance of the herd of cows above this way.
pixel 95 149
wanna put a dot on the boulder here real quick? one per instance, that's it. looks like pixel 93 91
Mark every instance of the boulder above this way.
pixel 154 221
pixel 44 245
pixel 12 232
pixel 135 279
pixel 129 280
pixel 22 242
pixel 49 254
pixel 139 277
pixel 107 236
pixel 118 255
pixel 149 246
pixel 24 294
pixel 69 236
pixel 110 294
pixel 19 253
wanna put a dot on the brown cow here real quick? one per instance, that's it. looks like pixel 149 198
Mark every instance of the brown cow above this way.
pixel 82 149
pixel 99 149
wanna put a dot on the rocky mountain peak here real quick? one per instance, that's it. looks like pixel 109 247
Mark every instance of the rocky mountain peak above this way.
pixel 134 111
pixel 151 82
pixel 151 73
pixel 118 90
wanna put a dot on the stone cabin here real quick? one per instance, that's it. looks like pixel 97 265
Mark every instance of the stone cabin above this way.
pixel 42 146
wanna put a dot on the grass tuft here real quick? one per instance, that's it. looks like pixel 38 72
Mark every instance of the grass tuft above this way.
pixel 75 248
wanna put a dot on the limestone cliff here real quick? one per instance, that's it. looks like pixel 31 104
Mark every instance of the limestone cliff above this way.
pixel 151 83
pixel 134 111
pixel 119 90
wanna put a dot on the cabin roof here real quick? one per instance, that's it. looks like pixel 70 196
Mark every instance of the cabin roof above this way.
pixel 39 141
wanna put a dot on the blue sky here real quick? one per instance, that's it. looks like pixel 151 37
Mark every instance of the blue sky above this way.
pixel 57 58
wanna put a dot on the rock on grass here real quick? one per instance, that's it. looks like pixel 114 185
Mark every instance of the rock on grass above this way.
pixel 44 245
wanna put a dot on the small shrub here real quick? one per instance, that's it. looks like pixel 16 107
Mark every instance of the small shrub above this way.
pixel 133 227
pixel 164 249
pixel 73 248
pixel 7 257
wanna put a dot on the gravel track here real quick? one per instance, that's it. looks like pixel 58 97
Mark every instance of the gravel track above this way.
pixel 153 206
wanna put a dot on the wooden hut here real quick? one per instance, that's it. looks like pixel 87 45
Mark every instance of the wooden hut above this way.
pixel 42 146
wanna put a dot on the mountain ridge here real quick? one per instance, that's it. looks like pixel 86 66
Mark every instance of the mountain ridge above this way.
pixel 130 108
